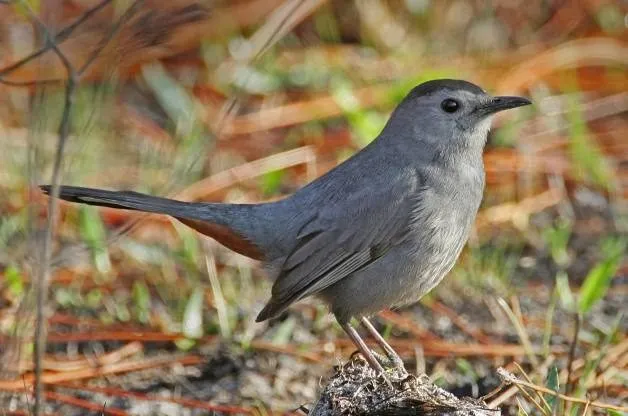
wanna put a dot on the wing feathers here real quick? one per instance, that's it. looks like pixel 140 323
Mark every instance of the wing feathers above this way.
pixel 342 238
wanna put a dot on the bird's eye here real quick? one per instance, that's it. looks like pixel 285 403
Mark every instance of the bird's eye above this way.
pixel 450 105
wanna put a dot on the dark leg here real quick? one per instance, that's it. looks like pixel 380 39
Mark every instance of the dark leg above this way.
pixel 390 352
pixel 364 350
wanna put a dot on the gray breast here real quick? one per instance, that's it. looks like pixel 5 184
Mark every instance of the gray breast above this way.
pixel 441 223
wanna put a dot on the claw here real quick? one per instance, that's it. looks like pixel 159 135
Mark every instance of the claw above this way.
pixel 390 352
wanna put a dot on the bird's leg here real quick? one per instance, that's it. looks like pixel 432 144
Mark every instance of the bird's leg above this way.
pixel 390 352
pixel 364 350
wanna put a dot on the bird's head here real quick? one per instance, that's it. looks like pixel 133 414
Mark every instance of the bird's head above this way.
pixel 449 114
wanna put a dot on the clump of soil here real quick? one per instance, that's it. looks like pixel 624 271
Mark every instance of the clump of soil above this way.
pixel 355 389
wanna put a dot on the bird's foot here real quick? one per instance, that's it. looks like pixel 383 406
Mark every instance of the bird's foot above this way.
pixel 391 359
pixel 391 362
pixel 392 355
pixel 386 367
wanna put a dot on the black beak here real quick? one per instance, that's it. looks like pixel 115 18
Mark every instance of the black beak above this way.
pixel 497 104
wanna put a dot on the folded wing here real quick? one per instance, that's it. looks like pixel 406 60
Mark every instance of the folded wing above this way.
pixel 343 237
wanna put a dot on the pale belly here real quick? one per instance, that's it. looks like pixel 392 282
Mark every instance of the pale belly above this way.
pixel 404 274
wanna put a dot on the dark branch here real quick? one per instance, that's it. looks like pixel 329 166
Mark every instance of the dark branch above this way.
pixel 59 38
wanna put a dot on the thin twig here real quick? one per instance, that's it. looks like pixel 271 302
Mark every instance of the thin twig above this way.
pixel 42 283
pixel 521 331
pixel 530 399
pixel 521 407
pixel 586 409
pixel 59 38
pixel 510 378
pixel 493 392
pixel 28 399
pixel 125 366
pixel 128 13
pixel 41 291
pixel 191 403
pixel 41 288
pixel 219 299
pixel 545 403
pixel 512 390
pixel 572 355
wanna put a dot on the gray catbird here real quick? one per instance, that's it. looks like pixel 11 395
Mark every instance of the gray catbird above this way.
pixel 379 230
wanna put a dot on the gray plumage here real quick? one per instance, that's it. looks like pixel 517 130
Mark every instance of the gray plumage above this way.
pixel 379 230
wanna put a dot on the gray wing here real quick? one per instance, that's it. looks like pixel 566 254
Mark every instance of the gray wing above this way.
pixel 343 237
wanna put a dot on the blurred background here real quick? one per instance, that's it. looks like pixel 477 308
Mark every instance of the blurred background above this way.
pixel 246 101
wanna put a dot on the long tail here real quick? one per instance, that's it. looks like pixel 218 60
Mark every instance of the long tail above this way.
pixel 126 200
pixel 218 221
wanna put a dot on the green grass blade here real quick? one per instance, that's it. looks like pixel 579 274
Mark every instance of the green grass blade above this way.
pixel 598 280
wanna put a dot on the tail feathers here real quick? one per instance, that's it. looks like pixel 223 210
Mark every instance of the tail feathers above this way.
pixel 208 219
pixel 125 200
